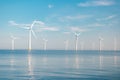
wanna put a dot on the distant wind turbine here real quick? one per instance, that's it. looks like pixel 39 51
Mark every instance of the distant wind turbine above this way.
pixel 66 44
pixel 45 44
pixel 76 40
pixel 13 41
pixel 100 43
pixel 30 28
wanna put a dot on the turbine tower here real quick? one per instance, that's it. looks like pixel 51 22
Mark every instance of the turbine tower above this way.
pixel 13 41
pixel 66 44
pixel 45 44
pixel 100 43
pixel 76 40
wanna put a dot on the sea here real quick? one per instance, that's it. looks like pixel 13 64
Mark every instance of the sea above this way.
pixel 59 65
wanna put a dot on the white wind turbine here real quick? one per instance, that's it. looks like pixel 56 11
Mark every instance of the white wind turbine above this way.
pixel 76 40
pixel 13 41
pixel 30 28
pixel 66 44
pixel 100 43
pixel 45 44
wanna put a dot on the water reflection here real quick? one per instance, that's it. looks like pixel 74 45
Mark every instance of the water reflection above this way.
pixel 66 59
pixel 100 61
pixel 12 61
pixel 93 59
pixel 79 64
pixel 44 59
pixel 77 60
pixel 30 67
pixel 115 59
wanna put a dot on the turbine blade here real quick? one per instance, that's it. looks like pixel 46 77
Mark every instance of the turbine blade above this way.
pixel 32 24
pixel 13 37
pixel 34 34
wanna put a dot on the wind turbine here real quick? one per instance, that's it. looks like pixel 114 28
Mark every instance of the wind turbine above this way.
pixel 66 44
pixel 45 44
pixel 13 41
pixel 30 28
pixel 76 40
pixel 100 43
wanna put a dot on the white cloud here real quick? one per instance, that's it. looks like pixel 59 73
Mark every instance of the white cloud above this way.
pixel 39 22
pixel 110 17
pixel 77 17
pixel 66 32
pixel 106 18
pixel 13 23
pixel 36 23
pixel 96 3
pixel 96 25
pixel 50 6
pixel 50 29
pixel 77 29
pixel 39 26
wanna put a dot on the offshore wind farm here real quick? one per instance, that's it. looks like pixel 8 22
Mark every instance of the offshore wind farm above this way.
pixel 59 40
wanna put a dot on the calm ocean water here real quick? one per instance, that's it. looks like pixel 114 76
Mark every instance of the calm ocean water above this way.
pixel 59 65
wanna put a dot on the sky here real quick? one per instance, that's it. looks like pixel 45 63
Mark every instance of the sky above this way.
pixel 59 20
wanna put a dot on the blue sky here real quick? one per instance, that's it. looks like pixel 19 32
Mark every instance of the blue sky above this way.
pixel 61 18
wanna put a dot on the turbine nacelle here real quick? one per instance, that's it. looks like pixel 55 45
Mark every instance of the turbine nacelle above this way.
pixel 100 38
pixel 77 34
pixel 13 38
pixel 45 40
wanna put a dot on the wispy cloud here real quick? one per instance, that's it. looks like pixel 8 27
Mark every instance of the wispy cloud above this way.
pixel 39 26
pixel 96 3
pixel 66 32
pixel 37 23
pixel 13 23
pixel 77 29
pixel 107 18
pixel 49 29
pixel 76 17
pixel 50 6
pixel 97 25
